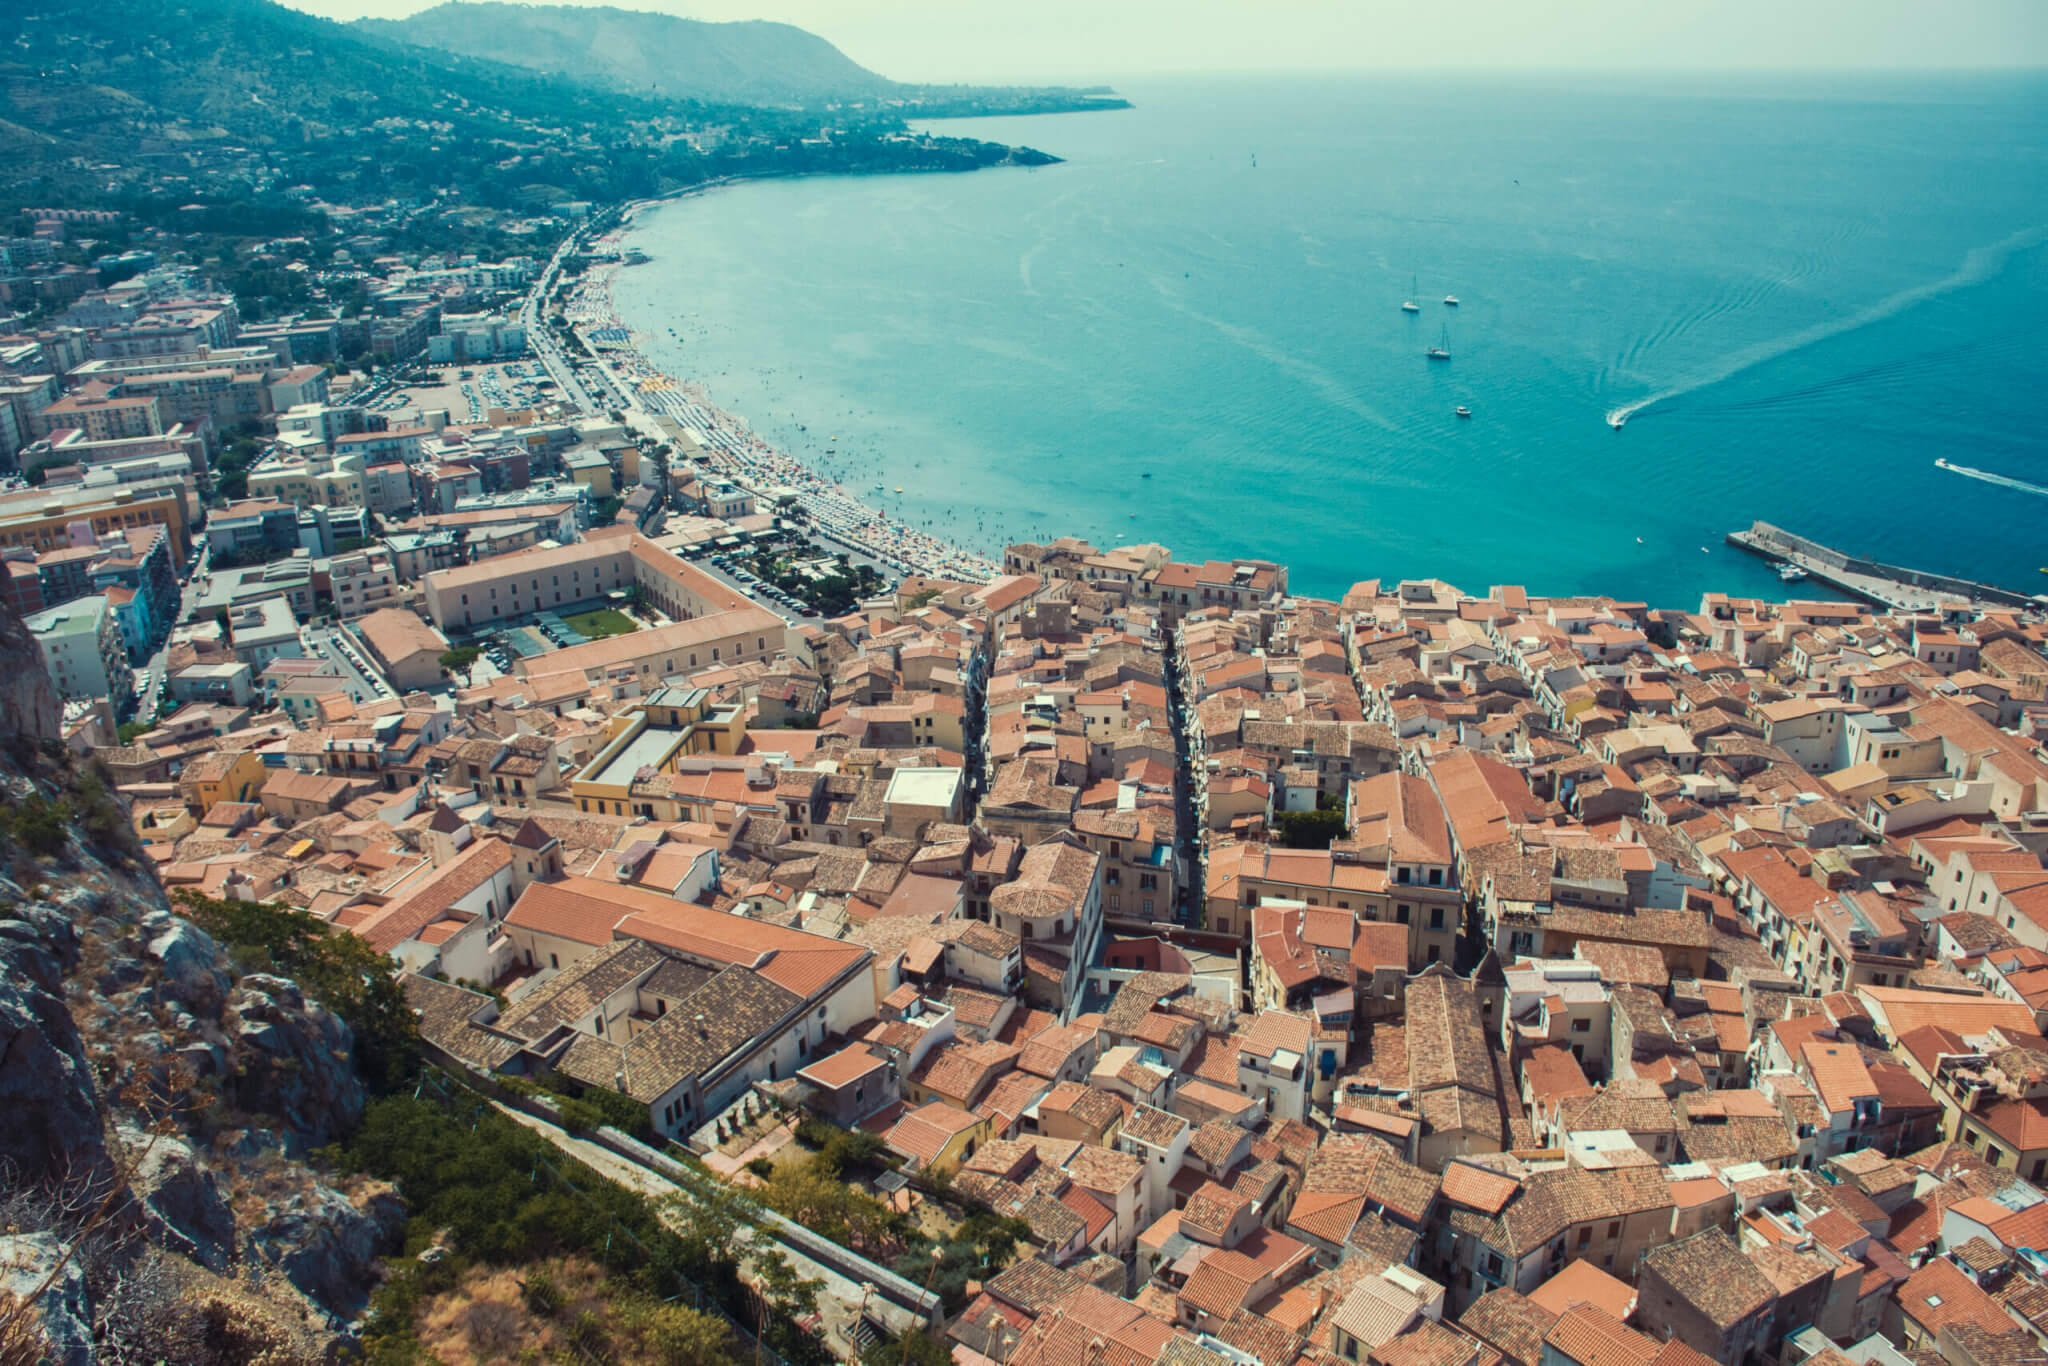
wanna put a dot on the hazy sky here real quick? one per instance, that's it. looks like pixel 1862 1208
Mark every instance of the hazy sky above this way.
pixel 1083 40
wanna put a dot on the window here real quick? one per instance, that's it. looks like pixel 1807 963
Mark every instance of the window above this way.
pixel 1582 1026
pixel 1436 917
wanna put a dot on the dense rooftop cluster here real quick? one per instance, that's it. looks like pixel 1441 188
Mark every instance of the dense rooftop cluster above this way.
pixel 1419 976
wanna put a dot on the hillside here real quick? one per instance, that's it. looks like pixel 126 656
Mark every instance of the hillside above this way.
pixel 242 99
pixel 754 62
pixel 158 1197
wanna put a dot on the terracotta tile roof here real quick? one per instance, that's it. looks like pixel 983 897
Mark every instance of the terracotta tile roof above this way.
pixel 1222 1283
pixel 1214 1142
pixel 1591 1337
pixel 1209 1212
pixel 1716 1279
pixel 1104 1170
pixel 843 1068
pixel 1093 1214
pixel 1431 1344
pixel 1902 1010
pixel 1327 1215
pixel 1153 1126
pixel 962 1071
pixel 593 912
pixel 1511 1324
pixel 1581 1282
pixel 447 1020
pixel 1939 1294
pixel 403 919
pixel 1033 1285
pixel 1478 1187
pixel 923 1133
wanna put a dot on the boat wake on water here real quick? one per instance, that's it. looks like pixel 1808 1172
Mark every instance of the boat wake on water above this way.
pixel 2003 481
pixel 1982 264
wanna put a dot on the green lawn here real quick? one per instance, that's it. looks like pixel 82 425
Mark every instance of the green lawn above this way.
pixel 605 621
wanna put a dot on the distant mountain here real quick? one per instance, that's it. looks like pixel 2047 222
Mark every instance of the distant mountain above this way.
pixel 754 62
pixel 241 99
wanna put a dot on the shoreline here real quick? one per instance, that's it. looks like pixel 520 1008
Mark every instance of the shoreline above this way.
pixel 833 513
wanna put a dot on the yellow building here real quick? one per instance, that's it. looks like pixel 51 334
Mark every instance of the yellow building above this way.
pixel 41 519
pixel 221 776
pixel 591 470
pixel 937 1137
pixel 672 725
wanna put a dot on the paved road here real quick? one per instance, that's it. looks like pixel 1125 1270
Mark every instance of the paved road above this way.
pixel 155 668
pixel 542 344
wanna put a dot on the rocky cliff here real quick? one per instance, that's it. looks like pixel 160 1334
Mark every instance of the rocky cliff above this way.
pixel 156 1202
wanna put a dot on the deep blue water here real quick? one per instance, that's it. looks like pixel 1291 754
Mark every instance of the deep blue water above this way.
pixel 1818 284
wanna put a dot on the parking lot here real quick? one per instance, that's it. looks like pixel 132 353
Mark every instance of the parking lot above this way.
pixel 550 631
pixel 469 392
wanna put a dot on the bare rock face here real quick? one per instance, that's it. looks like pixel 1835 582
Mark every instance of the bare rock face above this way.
pixel 292 1060
pixel 48 1092
pixel 182 1196
pixel 28 704
pixel 131 1052
pixel 193 974
pixel 62 1314
pixel 328 1244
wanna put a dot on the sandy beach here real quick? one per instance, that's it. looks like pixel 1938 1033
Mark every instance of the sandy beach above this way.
pixel 730 442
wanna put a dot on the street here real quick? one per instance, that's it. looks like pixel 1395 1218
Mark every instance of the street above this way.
pixel 339 648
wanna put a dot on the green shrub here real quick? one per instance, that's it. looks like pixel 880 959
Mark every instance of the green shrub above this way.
pixel 761 1167
pixel 38 825
pixel 334 967
pixel 579 1116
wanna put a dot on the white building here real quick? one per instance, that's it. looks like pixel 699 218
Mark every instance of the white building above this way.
pixel 83 649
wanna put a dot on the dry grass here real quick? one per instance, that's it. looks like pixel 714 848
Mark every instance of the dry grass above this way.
pixel 491 1316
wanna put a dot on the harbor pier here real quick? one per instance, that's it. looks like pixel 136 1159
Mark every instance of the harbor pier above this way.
pixel 1887 585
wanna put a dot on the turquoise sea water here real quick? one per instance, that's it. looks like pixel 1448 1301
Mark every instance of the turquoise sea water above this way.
pixel 1813 287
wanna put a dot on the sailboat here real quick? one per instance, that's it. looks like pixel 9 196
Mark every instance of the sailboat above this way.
pixel 1409 305
pixel 1442 350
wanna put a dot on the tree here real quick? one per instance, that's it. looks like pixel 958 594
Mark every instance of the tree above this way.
pixel 792 1295
pixel 460 660
pixel 919 1350
pixel 334 967
pixel 677 1336
pixel 38 472
pixel 1310 829
pixel 708 1220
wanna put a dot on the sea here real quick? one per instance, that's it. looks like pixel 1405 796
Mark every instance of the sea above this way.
pixel 1794 292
